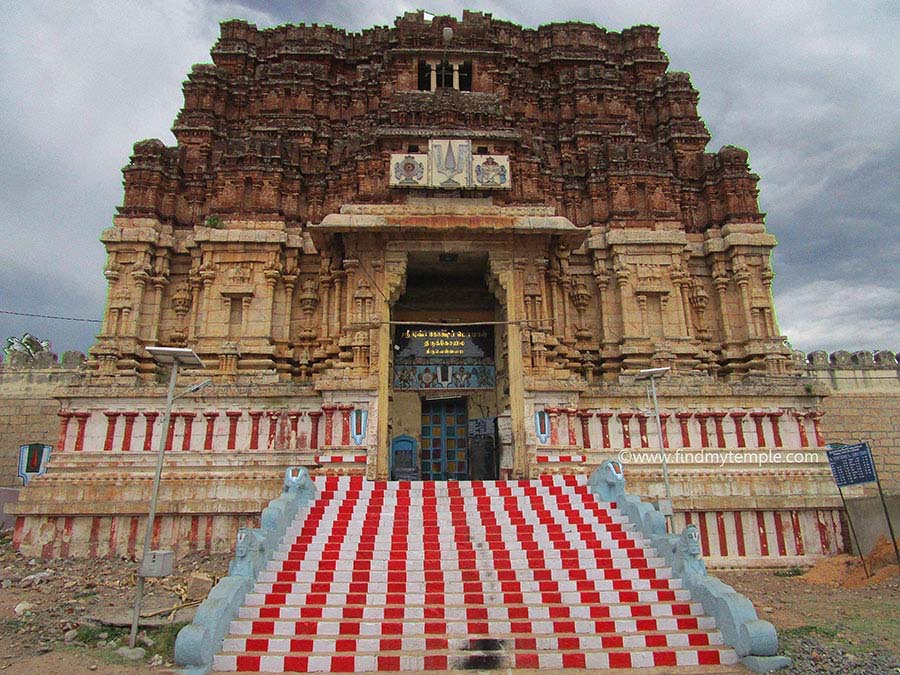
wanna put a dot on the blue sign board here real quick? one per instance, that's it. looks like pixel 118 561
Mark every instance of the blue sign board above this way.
pixel 852 465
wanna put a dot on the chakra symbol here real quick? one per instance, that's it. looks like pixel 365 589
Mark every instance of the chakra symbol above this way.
pixel 409 171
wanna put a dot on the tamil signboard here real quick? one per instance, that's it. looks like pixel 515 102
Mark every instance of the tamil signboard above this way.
pixel 852 464
pixel 437 357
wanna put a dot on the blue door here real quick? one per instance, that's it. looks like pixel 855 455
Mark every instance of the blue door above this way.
pixel 445 440
pixel 404 459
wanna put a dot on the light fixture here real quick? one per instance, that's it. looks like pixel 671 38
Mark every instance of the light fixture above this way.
pixel 175 357
pixel 650 375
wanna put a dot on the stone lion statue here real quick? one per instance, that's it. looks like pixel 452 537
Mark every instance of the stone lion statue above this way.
pixel 688 561
pixel 608 481
pixel 249 553
pixel 297 480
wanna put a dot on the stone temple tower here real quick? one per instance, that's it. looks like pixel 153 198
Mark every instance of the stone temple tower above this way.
pixel 442 250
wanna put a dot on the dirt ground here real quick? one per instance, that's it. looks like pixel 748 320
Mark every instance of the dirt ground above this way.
pixel 832 618
pixel 70 616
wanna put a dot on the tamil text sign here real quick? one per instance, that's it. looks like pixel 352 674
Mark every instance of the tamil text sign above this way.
pixel 852 464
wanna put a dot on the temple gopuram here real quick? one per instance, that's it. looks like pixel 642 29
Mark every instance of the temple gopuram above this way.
pixel 442 250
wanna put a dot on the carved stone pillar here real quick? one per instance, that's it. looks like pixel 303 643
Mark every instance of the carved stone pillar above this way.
pixel 816 416
pixel 345 423
pixel 642 427
pixel 234 417
pixel 64 417
pixel 742 278
pixel 554 425
pixel 130 417
pixel 81 418
pixel 663 423
pixel 328 411
pixel 314 416
pixel 210 429
pixel 272 416
pixel 170 432
pixel 604 427
pixel 757 417
pixel 801 428
pixel 776 426
pixel 624 419
pixel 683 419
pixel 149 423
pixel 187 419
pixel 254 429
pixel 738 418
pixel 337 313
pixel 570 418
pixel 704 431
pixel 720 280
pixel 602 279
pixel 682 280
pixel 720 429
pixel 111 419
pixel 584 417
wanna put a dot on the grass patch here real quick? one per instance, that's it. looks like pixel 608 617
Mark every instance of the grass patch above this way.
pixel 809 631
pixel 790 572
pixel 90 633
pixel 164 640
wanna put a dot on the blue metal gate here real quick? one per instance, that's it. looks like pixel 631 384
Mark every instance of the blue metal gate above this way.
pixel 445 440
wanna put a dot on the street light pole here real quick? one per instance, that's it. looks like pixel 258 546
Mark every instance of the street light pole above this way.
pixel 175 356
pixel 651 374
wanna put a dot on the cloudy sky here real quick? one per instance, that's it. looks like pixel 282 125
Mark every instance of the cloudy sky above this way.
pixel 811 89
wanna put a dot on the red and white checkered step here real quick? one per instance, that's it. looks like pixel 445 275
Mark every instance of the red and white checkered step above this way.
pixel 378 576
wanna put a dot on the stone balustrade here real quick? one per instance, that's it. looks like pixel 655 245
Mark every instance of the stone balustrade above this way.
pixel 117 430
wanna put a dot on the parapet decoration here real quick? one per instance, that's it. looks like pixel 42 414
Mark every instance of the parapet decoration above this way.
pixel 28 352
pixel 820 360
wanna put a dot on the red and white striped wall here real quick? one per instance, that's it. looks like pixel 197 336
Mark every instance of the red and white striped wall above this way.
pixel 120 430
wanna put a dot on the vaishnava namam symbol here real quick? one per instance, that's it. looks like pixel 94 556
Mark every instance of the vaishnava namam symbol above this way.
pixel 448 165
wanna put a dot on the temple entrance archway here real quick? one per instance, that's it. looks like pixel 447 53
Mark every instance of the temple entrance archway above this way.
pixel 447 388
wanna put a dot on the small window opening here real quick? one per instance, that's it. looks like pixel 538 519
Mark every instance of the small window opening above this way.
pixel 465 76
pixel 424 76
pixel 482 150
pixel 412 147
pixel 445 75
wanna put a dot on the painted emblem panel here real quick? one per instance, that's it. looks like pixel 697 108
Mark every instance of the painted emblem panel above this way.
pixel 409 170
pixel 450 165
pixel 491 171
pixel 34 459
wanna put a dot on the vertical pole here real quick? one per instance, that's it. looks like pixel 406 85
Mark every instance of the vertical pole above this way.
pixel 853 532
pixel 151 516
pixel 662 452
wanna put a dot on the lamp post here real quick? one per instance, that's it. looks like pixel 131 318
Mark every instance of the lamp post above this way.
pixel 650 375
pixel 174 356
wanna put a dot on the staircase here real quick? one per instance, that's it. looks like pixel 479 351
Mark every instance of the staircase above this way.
pixel 379 576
